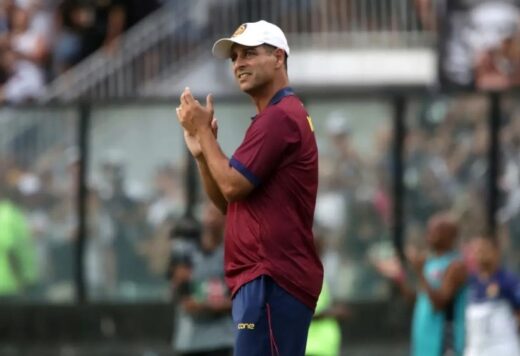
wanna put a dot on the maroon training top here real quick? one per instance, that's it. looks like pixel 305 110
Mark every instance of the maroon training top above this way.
pixel 270 231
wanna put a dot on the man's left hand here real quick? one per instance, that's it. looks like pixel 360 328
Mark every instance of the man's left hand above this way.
pixel 192 115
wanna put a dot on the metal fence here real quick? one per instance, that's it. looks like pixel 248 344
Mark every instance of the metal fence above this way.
pixel 99 226
pixel 172 39
pixel 387 164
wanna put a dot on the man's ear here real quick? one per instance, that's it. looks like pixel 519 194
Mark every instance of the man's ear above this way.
pixel 280 57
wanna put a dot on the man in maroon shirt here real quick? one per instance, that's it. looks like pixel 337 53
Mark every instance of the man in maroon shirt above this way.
pixel 268 190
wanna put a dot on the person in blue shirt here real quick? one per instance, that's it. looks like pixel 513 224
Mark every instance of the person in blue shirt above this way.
pixel 438 317
pixel 494 304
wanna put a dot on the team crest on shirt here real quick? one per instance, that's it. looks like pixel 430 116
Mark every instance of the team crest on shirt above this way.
pixel 309 119
pixel 240 30
pixel 492 290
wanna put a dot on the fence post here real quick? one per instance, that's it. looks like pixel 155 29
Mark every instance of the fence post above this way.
pixel 82 191
pixel 495 113
pixel 399 106
pixel 191 185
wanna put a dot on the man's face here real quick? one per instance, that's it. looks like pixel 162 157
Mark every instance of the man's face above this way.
pixel 253 67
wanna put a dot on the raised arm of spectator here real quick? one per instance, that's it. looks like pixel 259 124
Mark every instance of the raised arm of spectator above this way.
pixel 453 280
pixel 394 271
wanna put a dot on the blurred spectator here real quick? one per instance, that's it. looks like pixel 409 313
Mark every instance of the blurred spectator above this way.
pixel 346 160
pixel 203 322
pixel 36 204
pixel 48 37
pixel 127 216
pixel 25 50
pixel 353 204
pixel 86 26
pixel 68 47
pixel 26 43
pixel 18 266
pixel 99 23
pixel 24 79
pixel 324 338
pixel 493 310
pixel 167 200
pixel 446 150
pixel 100 255
pixel 509 186
pixel 340 173
pixel 440 298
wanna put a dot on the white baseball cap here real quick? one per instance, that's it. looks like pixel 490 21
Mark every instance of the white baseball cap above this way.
pixel 252 34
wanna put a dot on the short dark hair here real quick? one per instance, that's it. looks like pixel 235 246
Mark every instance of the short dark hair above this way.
pixel 273 48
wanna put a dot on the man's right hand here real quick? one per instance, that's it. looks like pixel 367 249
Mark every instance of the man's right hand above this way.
pixel 193 143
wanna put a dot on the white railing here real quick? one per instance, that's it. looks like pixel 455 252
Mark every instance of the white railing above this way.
pixel 168 41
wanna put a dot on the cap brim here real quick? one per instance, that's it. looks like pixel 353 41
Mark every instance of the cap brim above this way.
pixel 222 48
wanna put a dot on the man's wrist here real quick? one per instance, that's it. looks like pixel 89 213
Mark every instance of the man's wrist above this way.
pixel 204 131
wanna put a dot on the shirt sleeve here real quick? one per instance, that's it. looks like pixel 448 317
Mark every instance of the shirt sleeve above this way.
pixel 269 139
pixel 514 291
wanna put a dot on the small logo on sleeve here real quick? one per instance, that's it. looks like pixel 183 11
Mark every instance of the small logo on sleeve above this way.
pixel 246 326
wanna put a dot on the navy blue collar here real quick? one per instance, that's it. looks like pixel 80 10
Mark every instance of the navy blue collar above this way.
pixel 280 94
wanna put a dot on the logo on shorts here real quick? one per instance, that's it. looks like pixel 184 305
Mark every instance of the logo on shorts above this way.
pixel 240 30
pixel 246 326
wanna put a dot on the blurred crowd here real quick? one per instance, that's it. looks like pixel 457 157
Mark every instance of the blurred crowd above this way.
pixel 447 163
pixel 509 184
pixel 446 169
pixel 354 207
pixel 41 39
pixel 127 233
pixel 138 237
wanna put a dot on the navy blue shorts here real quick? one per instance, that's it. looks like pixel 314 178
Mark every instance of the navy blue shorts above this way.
pixel 269 321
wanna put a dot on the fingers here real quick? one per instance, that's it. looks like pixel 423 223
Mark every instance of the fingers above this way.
pixel 209 102
pixel 214 126
pixel 186 97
